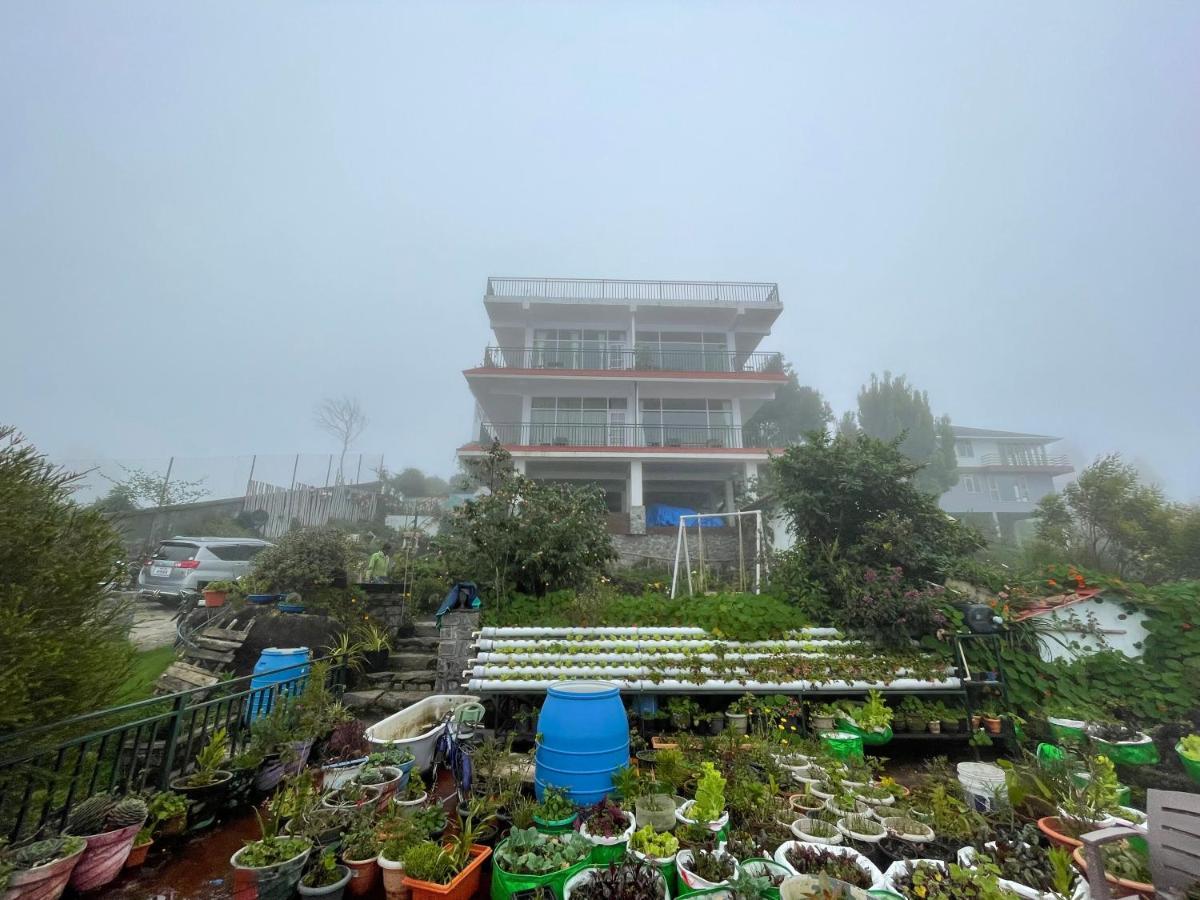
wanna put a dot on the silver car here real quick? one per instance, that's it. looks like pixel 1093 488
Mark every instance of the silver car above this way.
pixel 184 565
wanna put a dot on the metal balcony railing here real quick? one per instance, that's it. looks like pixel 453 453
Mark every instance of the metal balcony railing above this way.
pixel 641 359
pixel 664 293
pixel 1020 461
pixel 541 434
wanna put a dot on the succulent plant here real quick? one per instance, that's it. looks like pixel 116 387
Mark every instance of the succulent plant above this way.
pixel 130 811
pixel 88 817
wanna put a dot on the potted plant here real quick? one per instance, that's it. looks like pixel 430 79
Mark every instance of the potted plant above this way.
pixel 816 831
pixel 630 880
pixel 951 718
pixel 805 803
pixel 911 714
pixel 108 826
pixel 142 842
pixel 323 827
pixel 384 778
pixel 394 758
pixel 737 716
pixel 528 859
pixel 656 811
pixel 167 813
pixel 346 752
pixel 376 646
pixel 704 869
pixel 907 829
pixel 215 593
pixel 991 719
pixel 555 813
pixel 270 865
pixel 657 848
pixel 708 809
pixel 841 863
pixel 862 829
pixel 608 827
pixel 394 838
pixel 40 870
pixel 822 717
pixel 351 796
pixel 682 711
pixel 412 796
pixel 451 872
pixel 324 877
pixel 204 788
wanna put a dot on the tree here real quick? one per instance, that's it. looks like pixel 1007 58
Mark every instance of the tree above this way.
pixel 795 410
pixel 1054 524
pixel 852 501
pixel 1116 523
pixel 412 482
pixel 1183 551
pixel 62 644
pixel 891 408
pixel 140 489
pixel 344 419
pixel 527 536
pixel 848 424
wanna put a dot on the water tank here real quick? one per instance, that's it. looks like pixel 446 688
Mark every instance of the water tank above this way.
pixel 584 739
pixel 285 666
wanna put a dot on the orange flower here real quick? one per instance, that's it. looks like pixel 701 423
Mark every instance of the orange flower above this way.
pixel 1051 582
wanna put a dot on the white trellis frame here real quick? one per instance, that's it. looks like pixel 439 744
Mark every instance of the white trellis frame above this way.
pixel 682 551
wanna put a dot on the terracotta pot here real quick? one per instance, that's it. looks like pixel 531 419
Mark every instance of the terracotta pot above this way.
pixel 1052 828
pixel 364 875
pixel 992 725
pixel 137 855
pixel 1122 888
pixel 214 598
pixel 102 860
pixel 935 727
pixel 463 886
pixel 43 882
pixel 393 878
pixel 975 720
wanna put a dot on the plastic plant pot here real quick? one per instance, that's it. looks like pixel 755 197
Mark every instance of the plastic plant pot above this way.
pixel 608 849
pixel 555 826
pixel 393 878
pixel 1120 886
pixel 137 854
pixel 364 875
pixel 103 858
pixel 463 886
pixel 334 775
pixel 801 829
pixel 683 863
pixel 330 891
pixel 277 882
pixel 682 815
pixel 43 882
pixel 585 875
pixel 1191 766
pixel 655 810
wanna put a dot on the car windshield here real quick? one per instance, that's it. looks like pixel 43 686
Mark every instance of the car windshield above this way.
pixel 175 552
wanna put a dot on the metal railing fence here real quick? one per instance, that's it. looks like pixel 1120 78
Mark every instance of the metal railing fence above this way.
pixel 641 359
pixel 45 770
pixel 541 434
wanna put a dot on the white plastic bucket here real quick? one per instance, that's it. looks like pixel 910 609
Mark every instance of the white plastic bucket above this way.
pixel 981 782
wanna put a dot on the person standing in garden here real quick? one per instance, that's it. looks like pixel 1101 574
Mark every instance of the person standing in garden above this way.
pixel 379 566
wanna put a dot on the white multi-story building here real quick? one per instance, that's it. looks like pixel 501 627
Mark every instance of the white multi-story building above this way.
pixel 1001 477
pixel 641 387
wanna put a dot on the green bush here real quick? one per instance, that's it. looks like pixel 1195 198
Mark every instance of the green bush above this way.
pixel 63 651
pixel 305 559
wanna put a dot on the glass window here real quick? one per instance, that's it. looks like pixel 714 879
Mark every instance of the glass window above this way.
pixel 175 552
pixel 964 448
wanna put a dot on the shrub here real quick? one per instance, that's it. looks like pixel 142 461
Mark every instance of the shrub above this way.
pixel 305 559
pixel 62 644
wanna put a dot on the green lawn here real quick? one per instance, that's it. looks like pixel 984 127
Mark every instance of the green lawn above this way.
pixel 147 666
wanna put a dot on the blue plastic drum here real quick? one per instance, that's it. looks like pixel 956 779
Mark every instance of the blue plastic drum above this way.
pixel 285 667
pixel 584 740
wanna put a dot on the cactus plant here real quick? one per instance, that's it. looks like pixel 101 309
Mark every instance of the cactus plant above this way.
pixel 88 817
pixel 130 811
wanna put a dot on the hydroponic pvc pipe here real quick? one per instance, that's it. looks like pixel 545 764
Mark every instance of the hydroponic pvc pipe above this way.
pixel 558 672
pixel 501 658
pixel 492 686
pixel 614 643
pixel 493 631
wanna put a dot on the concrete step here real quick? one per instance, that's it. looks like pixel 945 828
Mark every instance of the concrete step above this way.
pixel 408 662
pixel 415 645
pixel 388 701
pixel 409 677
pixel 426 629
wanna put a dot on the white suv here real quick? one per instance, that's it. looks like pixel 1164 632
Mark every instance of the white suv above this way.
pixel 185 565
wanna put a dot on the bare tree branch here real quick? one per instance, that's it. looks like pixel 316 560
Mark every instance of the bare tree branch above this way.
pixel 344 419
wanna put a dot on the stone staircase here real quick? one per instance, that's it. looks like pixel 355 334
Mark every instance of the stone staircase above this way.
pixel 412 669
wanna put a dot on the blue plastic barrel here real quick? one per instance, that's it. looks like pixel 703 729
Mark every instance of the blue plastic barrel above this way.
pixel 282 666
pixel 584 740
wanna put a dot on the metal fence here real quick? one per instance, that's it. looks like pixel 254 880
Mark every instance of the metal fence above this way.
pixel 640 359
pixel 592 290
pixel 308 505
pixel 540 434
pixel 44 771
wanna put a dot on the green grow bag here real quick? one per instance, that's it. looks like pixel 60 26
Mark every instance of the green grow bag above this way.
pixel 505 884
pixel 555 826
pixel 869 738
pixel 1049 756
pixel 1191 766
pixel 843 745
pixel 1067 731
pixel 603 854
pixel 1128 753
pixel 771 893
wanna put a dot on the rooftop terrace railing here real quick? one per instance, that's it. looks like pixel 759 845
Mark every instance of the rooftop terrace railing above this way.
pixel 593 290
pixel 1023 461
pixel 541 434
pixel 641 359
pixel 46 770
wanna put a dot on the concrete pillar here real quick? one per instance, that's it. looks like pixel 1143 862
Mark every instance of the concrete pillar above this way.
pixel 455 649
pixel 637 505
pixel 751 472
pixel 526 415
pixel 729 497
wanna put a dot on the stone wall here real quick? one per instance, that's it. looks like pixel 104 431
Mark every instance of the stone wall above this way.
pixel 455 648
pixel 393 611
pixel 658 548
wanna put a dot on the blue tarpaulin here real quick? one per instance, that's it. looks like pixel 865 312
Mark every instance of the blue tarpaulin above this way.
pixel 659 514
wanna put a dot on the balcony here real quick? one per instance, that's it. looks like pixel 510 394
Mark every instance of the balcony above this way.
pixel 619 359
pixel 540 435
pixel 658 293
pixel 1024 462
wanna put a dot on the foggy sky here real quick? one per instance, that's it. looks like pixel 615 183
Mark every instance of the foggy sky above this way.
pixel 214 214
